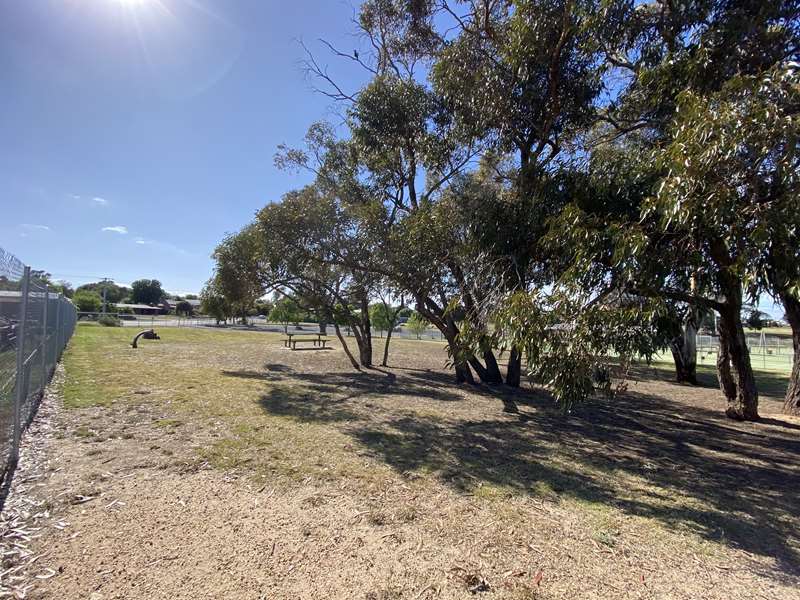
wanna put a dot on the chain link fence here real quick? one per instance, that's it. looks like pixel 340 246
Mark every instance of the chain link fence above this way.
pixel 35 326
pixel 768 351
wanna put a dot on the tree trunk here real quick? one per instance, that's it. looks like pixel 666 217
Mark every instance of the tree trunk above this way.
pixel 733 366
pixel 479 369
pixel 791 403
pixel 685 368
pixel 364 343
pixel 365 352
pixel 492 370
pixel 385 361
pixel 353 361
pixel 514 369
pixel 684 350
pixel 448 329
pixel 365 339
pixel 463 372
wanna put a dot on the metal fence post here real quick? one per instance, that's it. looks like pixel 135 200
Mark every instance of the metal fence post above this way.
pixel 58 331
pixel 20 390
pixel 43 347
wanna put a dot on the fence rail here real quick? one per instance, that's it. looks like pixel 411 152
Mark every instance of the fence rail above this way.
pixel 35 326
pixel 255 323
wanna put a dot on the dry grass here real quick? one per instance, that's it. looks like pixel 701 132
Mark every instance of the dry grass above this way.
pixel 271 473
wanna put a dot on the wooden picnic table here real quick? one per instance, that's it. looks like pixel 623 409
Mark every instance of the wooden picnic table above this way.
pixel 292 339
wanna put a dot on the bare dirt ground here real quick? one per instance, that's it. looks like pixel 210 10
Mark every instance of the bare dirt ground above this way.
pixel 221 465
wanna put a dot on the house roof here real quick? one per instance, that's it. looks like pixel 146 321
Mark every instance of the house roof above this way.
pixel 193 301
pixel 138 306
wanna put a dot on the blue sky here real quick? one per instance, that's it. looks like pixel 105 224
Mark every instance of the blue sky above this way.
pixel 136 133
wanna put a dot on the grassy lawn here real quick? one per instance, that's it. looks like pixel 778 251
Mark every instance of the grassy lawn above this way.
pixel 186 373
pixel 655 483
pixel 771 373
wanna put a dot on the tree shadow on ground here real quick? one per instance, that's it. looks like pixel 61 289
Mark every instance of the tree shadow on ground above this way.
pixel 306 406
pixel 647 455
pixel 368 383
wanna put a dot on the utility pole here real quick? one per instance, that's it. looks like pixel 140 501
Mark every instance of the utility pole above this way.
pixel 105 281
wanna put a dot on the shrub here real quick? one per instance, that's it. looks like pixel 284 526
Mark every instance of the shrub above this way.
pixel 86 301
pixel 109 321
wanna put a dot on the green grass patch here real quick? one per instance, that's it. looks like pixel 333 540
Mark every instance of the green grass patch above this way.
pixel 273 428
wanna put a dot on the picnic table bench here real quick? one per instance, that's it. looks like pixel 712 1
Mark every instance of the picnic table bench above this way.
pixel 316 338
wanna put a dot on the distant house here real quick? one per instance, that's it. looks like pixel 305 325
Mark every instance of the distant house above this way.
pixel 172 303
pixel 140 309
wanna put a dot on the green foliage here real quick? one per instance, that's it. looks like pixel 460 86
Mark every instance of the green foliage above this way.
pixel 417 325
pixel 391 117
pixel 262 307
pixel 109 321
pixel 213 303
pixel 572 344
pixel 62 287
pixel 114 293
pixel 184 308
pixel 318 247
pixel 734 179
pixel 285 311
pixel 147 291
pixel 237 276
pixel 531 81
pixel 638 164
pixel 383 316
pixel 86 301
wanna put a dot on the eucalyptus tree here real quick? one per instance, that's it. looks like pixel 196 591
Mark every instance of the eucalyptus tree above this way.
pixel 772 132
pixel 588 242
pixel 733 183
pixel 536 88
pixel 213 302
pixel 285 310
pixel 308 243
pixel 679 65
pixel 237 275
pixel 522 77
pixel 515 79
pixel 402 151
pixel 398 137
pixel 385 316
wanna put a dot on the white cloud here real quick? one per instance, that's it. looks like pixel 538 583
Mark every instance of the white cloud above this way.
pixel 121 229
pixel 31 226
pixel 100 201
pixel 160 245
